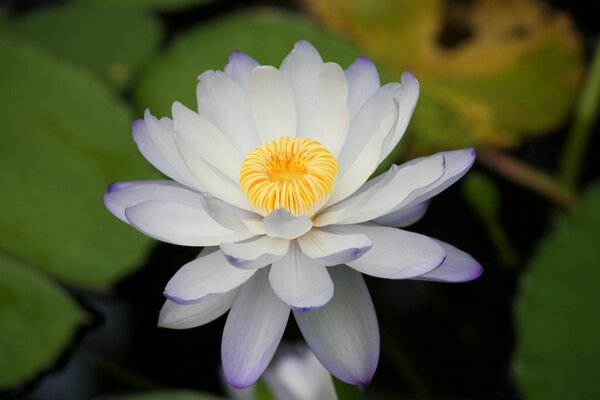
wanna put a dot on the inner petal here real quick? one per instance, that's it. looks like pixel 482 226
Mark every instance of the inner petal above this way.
pixel 297 174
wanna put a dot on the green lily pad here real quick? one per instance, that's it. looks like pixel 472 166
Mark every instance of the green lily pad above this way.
pixel 38 322
pixel 64 139
pixel 558 322
pixel 164 5
pixel 112 42
pixel 267 36
pixel 491 72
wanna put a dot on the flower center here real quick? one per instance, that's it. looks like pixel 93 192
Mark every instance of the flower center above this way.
pixel 297 174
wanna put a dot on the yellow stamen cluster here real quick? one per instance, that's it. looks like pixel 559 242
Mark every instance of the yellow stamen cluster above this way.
pixel 291 173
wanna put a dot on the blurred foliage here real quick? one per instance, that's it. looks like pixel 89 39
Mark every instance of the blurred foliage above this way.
pixel 558 323
pixel 163 395
pixel 103 42
pixel 266 35
pixel 38 321
pixel 164 5
pixel 491 72
pixel 65 137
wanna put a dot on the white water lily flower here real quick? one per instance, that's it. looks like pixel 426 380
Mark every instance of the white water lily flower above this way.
pixel 270 175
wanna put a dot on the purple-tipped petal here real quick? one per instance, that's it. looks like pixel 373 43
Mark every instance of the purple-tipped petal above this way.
pixel 404 216
pixel 181 224
pixel 457 267
pixel 363 81
pixel 299 281
pixel 207 275
pixel 253 331
pixel 396 254
pixel 121 195
pixel 240 67
pixel 344 334
pixel 179 316
pixel 329 248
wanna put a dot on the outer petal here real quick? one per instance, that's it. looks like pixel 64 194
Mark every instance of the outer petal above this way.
pixel 121 195
pixel 273 104
pixel 328 248
pixel 240 67
pixel 179 316
pixel 181 224
pixel 207 141
pixel 457 267
pixel 359 157
pixel 404 216
pixel 299 281
pixel 385 193
pixel 156 141
pixel 281 223
pixel 256 252
pixel 457 163
pixel 252 332
pixel 225 103
pixel 363 81
pixel 407 101
pixel 396 254
pixel 374 131
pixel 344 334
pixel 207 275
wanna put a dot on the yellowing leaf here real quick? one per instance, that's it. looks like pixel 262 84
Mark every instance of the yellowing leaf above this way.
pixel 491 71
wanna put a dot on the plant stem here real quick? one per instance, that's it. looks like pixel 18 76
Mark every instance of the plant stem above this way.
pixel 585 116
pixel 528 176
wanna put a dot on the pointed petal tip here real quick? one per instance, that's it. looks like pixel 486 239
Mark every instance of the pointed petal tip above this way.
pixel 182 301
pixel 408 76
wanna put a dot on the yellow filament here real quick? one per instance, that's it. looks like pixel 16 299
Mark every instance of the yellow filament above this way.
pixel 291 173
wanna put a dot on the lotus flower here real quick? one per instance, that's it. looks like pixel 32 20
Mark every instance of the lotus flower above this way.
pixel 270 175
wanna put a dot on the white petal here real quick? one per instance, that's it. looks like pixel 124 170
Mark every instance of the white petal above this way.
pixel 328 248
pixel 253 331
pixel 184 316
pixel 181 224
pixel 299 281
pixel 374 132
pixel 457 163
pixel 331 117
pixel 256 252
pixel 457 267
pixel 405 216
pixel 204 277
pixel 363 81
pixel 207 141
pixel 359 157
pixel 407 100
pixel 121 195
pixel 396 254
pixel 231 217
pixel 301 376
pixel 240 67
pixel 212 179
pixel 156 141
pixel 225 103
pixel 385 193
pixel 273 104
pixel 344 334
pixel 301 69
pixel 281 223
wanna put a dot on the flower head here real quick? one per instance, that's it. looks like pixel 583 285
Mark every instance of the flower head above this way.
pixel 271 177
